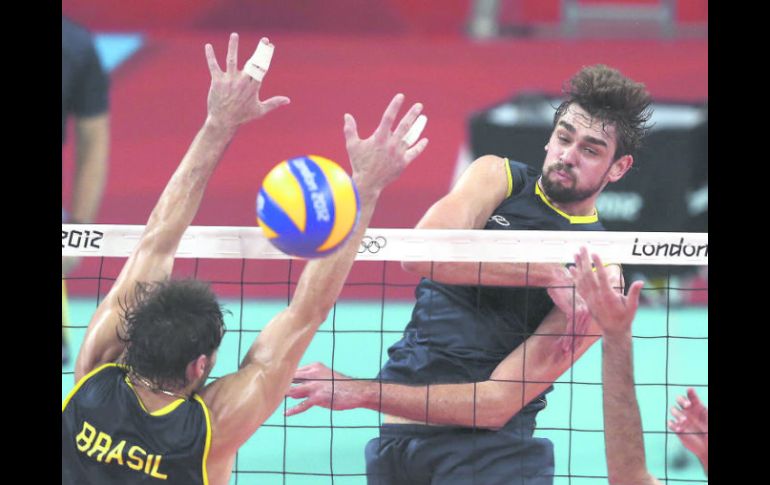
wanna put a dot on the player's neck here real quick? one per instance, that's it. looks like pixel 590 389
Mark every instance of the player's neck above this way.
pixel 155 398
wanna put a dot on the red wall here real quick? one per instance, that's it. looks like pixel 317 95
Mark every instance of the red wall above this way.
pixel 338 16
pixel 444 17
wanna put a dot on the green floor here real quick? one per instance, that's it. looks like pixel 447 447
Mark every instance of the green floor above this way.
pixel 310 447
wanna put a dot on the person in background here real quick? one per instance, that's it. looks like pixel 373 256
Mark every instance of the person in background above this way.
pixel 85 99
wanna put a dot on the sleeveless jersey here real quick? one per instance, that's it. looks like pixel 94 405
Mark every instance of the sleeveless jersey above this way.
pixel 461 333
pixel 109 437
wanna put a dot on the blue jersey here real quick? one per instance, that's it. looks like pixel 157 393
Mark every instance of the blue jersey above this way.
pixel 109 437
pixel 460 333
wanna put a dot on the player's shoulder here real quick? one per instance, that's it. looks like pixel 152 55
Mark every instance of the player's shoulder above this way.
pixel 523 169
pixel 507 163
pixel 95 382
pixel 514 172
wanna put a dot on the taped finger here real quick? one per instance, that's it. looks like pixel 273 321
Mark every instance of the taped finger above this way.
pixel 259 63
pixel 416 130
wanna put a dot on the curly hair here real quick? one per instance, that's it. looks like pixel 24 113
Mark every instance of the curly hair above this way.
pixel 170 324
pixel 608 96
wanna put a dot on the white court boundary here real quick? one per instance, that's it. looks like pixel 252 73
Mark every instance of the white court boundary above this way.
pixel 220 242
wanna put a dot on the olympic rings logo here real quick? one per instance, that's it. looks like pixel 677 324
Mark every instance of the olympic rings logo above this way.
pixel 372 244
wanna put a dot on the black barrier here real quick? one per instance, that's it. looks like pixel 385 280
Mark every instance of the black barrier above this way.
pixel 667 189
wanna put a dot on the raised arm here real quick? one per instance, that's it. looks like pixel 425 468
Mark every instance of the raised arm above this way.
pixel 240 402
pixel 232 101
pixel 470 203
pixel 614 313
pixel 527 372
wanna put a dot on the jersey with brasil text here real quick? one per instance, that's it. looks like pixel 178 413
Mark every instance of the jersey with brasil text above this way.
pixel 460 334
pixel 109 438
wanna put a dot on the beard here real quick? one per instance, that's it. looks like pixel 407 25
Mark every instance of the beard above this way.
pixel 565 194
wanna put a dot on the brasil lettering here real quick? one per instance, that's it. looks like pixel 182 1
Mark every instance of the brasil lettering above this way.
pixel 98 445
pixel 672 250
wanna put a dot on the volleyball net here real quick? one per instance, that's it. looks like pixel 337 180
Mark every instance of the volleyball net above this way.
pixel 255 281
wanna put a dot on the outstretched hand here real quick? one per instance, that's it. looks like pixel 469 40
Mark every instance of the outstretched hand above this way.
pixel 380 159
pixel 321 386
pixel 612 311
pixel 691 425
pixel 234 95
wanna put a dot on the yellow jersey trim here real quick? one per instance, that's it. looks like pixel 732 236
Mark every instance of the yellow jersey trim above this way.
pixel 510 177
pixel 160 412
pixel 64 304
pixel 571 219
pixel 208 438
pixel 83 381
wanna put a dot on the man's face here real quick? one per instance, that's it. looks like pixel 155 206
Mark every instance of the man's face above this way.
pixel 579 157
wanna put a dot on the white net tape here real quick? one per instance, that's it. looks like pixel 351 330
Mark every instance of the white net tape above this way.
pixel 219 242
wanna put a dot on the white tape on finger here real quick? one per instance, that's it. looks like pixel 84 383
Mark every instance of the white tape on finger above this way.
pixel 416 130
pixel 259 63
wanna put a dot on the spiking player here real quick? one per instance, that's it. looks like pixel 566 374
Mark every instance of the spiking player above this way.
pixel 479 352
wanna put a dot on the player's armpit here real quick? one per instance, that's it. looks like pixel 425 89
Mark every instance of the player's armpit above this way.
pixel 240 402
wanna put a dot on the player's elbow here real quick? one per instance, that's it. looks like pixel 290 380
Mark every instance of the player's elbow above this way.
pixel 496 408
pixel 499 418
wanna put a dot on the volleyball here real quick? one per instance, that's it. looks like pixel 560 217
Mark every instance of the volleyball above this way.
pixel 307 206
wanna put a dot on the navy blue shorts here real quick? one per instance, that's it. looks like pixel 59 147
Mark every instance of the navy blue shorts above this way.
pixel 410 454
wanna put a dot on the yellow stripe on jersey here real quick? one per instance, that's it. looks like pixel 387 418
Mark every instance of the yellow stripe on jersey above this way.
pixel 208 438
pixel 571 219
pixel 510 177
pixel 160 412
pixel 64 307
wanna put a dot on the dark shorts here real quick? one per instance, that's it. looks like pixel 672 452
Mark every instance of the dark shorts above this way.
pixel 407 454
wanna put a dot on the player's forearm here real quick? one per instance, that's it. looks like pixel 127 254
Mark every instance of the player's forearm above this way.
pixel 317 290
pixel 90 168
pixel 542 275
pixel 469 404
pixel 704 461
pixel 622 421
pixel 524 375
pixel 323 278
pixel 181 198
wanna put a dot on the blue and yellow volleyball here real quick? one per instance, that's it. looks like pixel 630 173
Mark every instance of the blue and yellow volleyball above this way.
pixel 307 206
